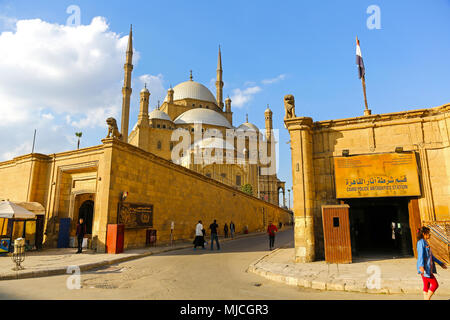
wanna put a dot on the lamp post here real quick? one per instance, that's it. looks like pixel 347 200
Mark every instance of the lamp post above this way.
pixel 289 194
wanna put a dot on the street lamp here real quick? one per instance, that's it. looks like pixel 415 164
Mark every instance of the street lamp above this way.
pixel 289 193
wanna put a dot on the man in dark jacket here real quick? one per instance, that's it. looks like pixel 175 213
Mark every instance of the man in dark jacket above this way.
pixel 214 226
pixel 225 230
pixel 232 229
pixel 81 231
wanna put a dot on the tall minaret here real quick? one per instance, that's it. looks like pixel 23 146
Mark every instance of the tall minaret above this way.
pixel 268 122
pixel 126 90
pixel 219 82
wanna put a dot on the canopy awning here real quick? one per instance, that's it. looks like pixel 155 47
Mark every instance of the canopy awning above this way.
pixel 11 210
pixel 34 207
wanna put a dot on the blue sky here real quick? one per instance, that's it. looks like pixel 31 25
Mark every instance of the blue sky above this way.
pixel 307 48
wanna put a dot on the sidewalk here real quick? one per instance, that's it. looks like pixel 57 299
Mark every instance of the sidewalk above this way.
pixel 397 275
pixel 51 262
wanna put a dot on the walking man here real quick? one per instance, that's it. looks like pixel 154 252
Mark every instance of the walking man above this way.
pixel 271 229
pixel 81 231
pixel 225 230
pixel 232 229
pixel 214 236
pixel 199 236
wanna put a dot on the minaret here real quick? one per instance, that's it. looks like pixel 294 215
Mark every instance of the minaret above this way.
pixel 143 107
pixel 219 82
pixel 228 114
pixel 126 90
pixel 143 134
pixel 268 119
pixel 170 95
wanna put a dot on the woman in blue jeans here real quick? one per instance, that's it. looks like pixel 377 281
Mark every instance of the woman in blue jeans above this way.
pixel 425 263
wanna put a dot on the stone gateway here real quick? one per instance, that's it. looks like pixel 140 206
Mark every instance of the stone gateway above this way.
pixel 392 170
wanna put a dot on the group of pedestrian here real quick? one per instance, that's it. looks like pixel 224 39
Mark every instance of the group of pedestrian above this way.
pixel 200 234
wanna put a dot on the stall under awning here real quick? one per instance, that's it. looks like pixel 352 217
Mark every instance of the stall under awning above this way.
pixel 10 210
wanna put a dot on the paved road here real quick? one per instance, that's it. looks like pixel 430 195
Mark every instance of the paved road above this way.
pixel 182 274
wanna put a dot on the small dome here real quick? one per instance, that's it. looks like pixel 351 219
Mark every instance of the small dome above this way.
pixel 212 143
pixel 248 126
pixel 144 90
pixel 192 90
pixel 203 116
pixel 158 114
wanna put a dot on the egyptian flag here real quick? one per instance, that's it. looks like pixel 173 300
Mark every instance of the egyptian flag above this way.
pixel 359 60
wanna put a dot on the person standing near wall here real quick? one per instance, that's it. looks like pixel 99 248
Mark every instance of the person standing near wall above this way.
pixel 271 229
pixel 425 263
pixel 199 236
pixel 225 230
pixel 214 226
pixel 81 231
pixel 232 229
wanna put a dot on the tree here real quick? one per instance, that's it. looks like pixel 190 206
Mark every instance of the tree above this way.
pixel 78 134
pixel 247 188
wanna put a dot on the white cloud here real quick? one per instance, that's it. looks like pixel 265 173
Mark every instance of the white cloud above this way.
pixel 274 80
pixel 240 97
pixel 59 79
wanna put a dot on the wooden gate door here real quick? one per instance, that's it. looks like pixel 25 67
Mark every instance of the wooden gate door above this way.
pixel 414 222
pixel 336 233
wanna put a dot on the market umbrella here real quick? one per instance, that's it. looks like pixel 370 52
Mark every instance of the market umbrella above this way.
pixel 11 210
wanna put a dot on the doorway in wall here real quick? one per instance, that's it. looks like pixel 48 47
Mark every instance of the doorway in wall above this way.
pixel 379 227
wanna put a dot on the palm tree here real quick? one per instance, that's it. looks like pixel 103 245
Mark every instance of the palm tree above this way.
pixel 78 134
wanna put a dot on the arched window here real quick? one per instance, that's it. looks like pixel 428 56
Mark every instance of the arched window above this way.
pixel 159 145
pixel 164 126
pixel 158 126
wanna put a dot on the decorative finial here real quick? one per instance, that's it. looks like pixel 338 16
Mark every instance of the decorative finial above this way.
pixel 190 77
pixel 246 117
pixel 158 104
pixel 145 85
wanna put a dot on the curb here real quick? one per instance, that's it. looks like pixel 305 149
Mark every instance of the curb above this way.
pixel 26 274
pixel 329 286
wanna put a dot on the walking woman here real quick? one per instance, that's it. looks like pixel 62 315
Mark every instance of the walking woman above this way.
pixel 425 263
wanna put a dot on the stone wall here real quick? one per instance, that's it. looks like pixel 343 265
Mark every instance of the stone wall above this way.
pixel 180 195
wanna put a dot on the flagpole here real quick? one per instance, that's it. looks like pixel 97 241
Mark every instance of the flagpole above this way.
pixel 367 111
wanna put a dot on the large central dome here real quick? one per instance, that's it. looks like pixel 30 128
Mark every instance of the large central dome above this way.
pixel 192 90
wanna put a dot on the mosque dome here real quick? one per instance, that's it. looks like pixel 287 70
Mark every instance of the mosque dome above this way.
pixel 204 116
pixel 158 114
pixel 212 143
pixel 248 126
pixel 192 90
